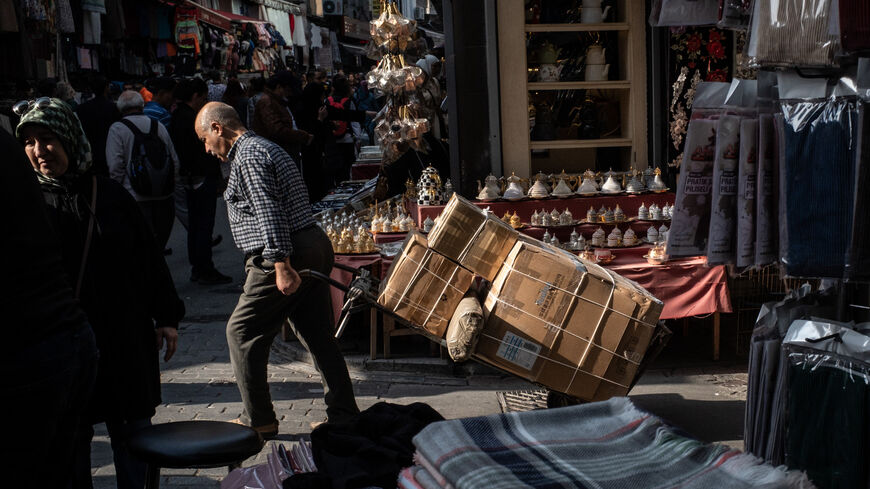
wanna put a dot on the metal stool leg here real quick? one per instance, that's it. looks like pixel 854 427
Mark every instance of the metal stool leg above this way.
pixel 152 477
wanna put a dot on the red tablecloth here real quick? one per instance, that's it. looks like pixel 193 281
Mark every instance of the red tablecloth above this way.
pixel 364 171
pixel 577 205
pixel 345 277
pixel 686 286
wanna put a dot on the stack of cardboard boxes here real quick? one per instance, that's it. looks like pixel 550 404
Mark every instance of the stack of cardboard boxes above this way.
pixel 552 318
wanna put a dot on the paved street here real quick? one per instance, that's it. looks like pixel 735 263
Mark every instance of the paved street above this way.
pixel 198 382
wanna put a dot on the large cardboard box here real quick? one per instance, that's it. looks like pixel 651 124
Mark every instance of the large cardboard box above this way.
pixel 570 325
pixel 424 287
pixel 469 236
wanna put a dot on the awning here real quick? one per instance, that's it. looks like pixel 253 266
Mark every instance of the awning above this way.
pixel 353 48
pixel 241 18
pixel 212 17
pixel 291 8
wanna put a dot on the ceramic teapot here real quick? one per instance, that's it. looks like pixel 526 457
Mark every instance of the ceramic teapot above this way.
pixel 489 191
pixel 595 54
pixel 596 72
pixel 548 53
pixel 594 15
pixel 550 72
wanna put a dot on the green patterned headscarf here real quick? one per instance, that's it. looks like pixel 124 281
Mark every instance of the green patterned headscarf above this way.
pixel 59 118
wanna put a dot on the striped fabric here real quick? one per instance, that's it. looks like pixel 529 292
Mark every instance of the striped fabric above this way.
pixel 794 33
pixel 604 445
pixel 821 143
pixel 855 24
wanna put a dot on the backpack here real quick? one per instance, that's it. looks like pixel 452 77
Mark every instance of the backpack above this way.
pixel 150 169
pixel 340 126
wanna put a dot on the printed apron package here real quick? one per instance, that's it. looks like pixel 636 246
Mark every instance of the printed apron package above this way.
pixel 723 211
pixel 746 192
pixel 766 244
pixel 690 222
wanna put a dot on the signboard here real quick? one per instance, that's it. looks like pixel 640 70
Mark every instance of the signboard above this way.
pixel 356 29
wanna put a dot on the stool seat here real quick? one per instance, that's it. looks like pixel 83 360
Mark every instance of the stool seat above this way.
pixel 195 444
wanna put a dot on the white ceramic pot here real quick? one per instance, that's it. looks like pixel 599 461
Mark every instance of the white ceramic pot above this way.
pixel 594 15
pixel 596 72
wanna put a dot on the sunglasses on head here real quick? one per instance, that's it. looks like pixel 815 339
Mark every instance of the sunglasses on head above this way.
pixel 25 106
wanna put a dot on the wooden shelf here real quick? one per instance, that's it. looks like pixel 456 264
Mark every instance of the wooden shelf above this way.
pixel 606 26
pixel 579 85
pixel 580 143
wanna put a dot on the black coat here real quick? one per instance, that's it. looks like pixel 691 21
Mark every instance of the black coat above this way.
pixel 126 288
pixel 97 116
pixel 193 160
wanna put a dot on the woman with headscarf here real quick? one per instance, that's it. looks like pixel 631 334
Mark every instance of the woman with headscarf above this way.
pixel 126 290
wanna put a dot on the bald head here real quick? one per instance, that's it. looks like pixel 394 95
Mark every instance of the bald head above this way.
pixel 218 126
pixel 220 113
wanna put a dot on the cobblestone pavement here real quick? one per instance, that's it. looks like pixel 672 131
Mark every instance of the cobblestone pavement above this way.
pixel 198 382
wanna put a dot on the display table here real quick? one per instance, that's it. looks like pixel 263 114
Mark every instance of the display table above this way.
pixel 577 205
pixel 364 171
pixel 686 286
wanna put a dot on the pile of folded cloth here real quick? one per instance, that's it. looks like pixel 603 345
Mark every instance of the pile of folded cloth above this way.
pixel 607 445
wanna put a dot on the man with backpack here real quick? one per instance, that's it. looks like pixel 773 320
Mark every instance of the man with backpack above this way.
pixel 141 157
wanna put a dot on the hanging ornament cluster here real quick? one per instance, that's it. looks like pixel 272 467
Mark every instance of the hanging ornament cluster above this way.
pixel 401 125
pixel 393 76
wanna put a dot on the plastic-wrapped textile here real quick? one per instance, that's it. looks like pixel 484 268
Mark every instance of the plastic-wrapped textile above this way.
pixel 723 209
pixel 766 396
pixel 766 244
pixel 684 13
pixel 828 404
pixel 793 33
pixel 858 257
pixel 855 25
pixel 746 192
pixel 690 222
pixel 819 144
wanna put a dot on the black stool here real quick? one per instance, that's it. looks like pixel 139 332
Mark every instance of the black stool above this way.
pixel 193 444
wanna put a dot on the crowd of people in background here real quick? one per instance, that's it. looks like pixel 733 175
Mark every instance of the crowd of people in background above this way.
pixel 112 172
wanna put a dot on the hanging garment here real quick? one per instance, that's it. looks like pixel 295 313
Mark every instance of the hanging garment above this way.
pixel 316 36
pixel 8 20
pixel 98 6
pixel 187 35
pixel 115 21
pixel 299 30
pixel 64 21
pixel 858 259
pixel 794 33
pixel 855 24
pixel 820 143
pixel 91 27
pixel 829 403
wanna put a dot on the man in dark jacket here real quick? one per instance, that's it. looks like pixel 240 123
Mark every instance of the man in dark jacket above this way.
pixel 97 115
pixel 199 173
pixel 273 119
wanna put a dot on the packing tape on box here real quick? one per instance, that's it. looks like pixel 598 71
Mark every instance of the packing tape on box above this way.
pixel 553 327
pixel 420 268
pixel 612 283
pixel 557 362
pixel 467 248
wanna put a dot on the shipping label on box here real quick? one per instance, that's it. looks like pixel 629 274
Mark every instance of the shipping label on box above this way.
pixel 423 287
pixel 467 235
pixel 572 326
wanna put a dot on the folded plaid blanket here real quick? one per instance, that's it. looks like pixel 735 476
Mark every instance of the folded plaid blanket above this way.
pixel 604 445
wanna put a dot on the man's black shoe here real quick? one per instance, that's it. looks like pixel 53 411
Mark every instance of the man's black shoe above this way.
pixel 211 277
pixel 216 240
